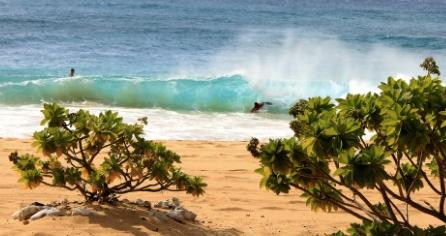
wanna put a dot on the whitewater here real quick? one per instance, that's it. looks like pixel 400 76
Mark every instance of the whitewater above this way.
pixel 195 68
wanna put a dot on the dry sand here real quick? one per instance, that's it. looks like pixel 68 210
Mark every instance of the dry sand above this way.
pixel 233 205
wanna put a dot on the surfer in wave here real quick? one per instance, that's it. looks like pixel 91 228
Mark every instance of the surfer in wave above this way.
pixel 71 72
pixel 259 105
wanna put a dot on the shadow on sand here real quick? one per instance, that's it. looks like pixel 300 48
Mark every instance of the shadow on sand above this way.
pixel 139 221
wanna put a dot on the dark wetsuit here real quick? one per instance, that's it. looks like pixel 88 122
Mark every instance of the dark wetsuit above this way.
pixel 257 106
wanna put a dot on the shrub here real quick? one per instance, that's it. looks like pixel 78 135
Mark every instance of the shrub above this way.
pixel 101 157
pixel 330 161
pixel 368 228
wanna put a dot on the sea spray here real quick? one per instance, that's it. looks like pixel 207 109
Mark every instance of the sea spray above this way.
pixel 300 64
pixel 281 67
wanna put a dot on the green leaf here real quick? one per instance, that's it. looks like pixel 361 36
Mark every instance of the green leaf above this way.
pixel 54 115
pixel 195 186
pixel 74 143
pixel 30 178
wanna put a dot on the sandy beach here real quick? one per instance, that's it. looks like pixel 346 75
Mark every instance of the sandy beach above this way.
pixel 233 204
pixel 205 76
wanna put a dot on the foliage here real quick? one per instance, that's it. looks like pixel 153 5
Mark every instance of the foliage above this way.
pixel 100 156
pixel 330 160
pixel 369 228
pixel 430 66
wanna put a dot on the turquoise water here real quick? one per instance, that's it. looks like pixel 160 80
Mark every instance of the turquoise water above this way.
pixel 206 55
pixel 222 94
pixel 195 67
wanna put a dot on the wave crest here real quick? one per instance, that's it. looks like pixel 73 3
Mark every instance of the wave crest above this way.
pixel 231 93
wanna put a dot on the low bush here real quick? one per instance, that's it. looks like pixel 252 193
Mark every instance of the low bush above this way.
pixel 101 157
pixel 331 162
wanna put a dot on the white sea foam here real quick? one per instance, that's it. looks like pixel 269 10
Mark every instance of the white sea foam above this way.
pixel 290 66
pixel 295 64
pixel 21 122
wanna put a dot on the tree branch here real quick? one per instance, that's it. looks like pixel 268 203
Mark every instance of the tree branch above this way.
pixel 387 203
pixel 440 164
pixel 425 178
pixel 346 209
pixel 415 205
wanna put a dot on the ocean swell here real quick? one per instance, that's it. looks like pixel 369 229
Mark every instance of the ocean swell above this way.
pixel 224 94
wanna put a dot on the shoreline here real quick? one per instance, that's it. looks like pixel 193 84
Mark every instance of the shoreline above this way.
pixel 21 122
pixel 233 204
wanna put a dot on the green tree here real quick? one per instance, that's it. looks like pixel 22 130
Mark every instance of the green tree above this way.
pixel 101 157
pixel 430 66
pixel 329 160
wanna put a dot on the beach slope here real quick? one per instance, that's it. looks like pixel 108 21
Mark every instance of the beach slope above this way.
pixel 233 204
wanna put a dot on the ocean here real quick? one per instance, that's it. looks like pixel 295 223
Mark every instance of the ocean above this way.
pixel 195 67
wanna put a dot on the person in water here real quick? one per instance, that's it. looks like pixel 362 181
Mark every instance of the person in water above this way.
pixel 259 105
pixel 72 72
